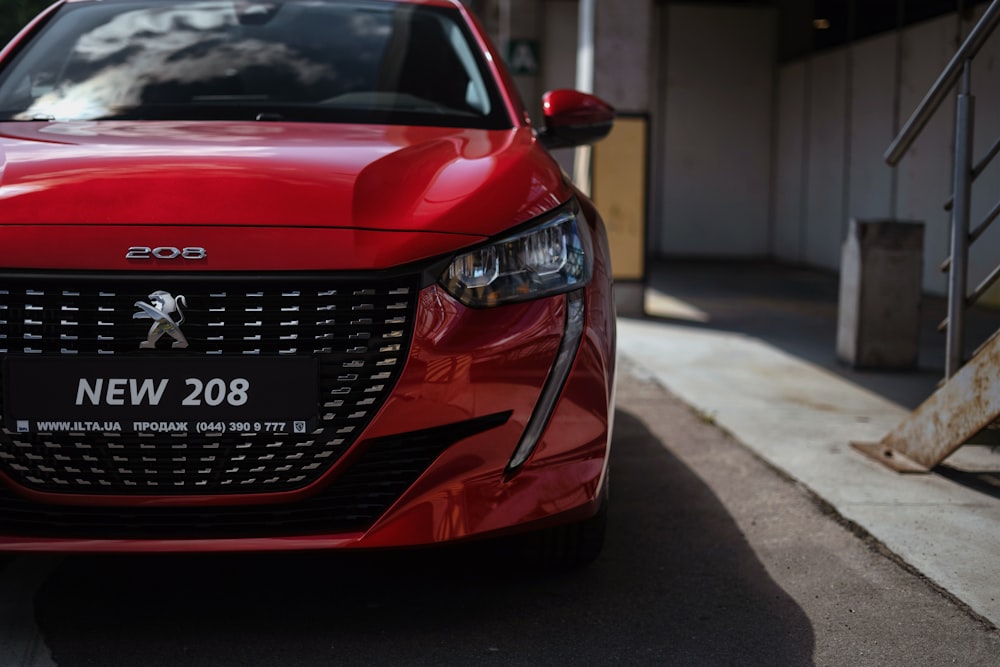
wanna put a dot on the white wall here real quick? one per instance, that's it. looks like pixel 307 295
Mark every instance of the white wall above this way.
pixel 790 158
pixel 826 112
pixel 872 100
pixel 713 179
pixel 924 175
pixel 847 121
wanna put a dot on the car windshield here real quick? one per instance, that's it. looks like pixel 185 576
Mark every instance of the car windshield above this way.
pixel 280 60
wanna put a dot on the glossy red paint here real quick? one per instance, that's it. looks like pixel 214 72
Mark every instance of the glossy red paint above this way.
pixel 289 197
pixel 564 108
pixel 459 368
pixel 103 248
pixel 274 175
pixel 465 494
pixel 463 363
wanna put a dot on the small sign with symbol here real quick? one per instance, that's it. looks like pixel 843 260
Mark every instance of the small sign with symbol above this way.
pixel 522 57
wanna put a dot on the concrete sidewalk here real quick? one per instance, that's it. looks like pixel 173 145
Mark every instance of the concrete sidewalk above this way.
pixel 751 346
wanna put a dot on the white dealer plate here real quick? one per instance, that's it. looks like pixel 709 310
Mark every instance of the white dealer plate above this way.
pixel 160 394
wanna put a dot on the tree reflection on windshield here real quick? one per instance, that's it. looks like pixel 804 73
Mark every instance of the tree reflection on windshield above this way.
pixel 294 60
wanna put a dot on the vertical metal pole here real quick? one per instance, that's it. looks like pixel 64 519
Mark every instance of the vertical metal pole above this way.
pixel 958 276
pixel 585 48
pixel 504 28
pixel 584 83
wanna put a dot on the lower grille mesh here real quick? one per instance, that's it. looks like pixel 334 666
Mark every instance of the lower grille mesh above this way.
pixel 359 329
pixel 352 503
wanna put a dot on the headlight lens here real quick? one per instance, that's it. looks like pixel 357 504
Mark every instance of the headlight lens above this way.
pixel 553 256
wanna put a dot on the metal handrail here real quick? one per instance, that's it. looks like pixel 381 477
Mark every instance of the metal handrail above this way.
pixel 978 169
pixel 945 82
pixel 958 276
pixel 985 285
pixel 985 224
pixel 976 233
pixel 957 71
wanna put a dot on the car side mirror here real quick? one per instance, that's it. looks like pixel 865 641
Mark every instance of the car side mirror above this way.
pixel 573 118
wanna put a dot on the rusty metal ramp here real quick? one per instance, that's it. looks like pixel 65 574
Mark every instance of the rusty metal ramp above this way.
pixel 967 406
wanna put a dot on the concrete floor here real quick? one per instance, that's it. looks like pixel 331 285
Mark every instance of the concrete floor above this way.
pixel 752 347
pixel 795 309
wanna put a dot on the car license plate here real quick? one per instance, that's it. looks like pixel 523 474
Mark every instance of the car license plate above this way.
pixel 160 395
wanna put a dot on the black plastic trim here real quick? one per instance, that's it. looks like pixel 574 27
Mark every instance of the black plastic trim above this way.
pixel 352 502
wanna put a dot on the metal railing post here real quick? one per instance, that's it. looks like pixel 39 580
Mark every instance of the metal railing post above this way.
pixel 945 82
pixel 958 275
pixel 968 400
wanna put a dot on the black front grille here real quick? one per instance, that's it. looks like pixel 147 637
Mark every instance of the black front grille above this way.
pixel 359 329
pixel 353 502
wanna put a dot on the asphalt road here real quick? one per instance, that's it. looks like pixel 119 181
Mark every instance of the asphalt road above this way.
pixel 712 559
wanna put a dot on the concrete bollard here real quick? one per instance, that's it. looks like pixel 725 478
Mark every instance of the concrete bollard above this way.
pixel 881 278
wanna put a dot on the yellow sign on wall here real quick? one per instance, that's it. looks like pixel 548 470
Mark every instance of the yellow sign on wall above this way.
pixel 619 190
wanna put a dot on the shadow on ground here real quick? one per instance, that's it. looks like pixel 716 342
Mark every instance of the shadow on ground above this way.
pixel 677 583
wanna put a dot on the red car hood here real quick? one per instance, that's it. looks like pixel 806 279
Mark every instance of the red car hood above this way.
pixel 445 180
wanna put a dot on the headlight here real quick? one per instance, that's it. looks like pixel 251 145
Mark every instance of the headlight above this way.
pixel 553 256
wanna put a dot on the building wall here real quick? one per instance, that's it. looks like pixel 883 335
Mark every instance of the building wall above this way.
pixel 838 111
pixel 623 39
pixel 712 181
pixel 872 106
pixel 754 159
pixel 791 157
pixel 559 44
pixel 826 109
pixel 924 175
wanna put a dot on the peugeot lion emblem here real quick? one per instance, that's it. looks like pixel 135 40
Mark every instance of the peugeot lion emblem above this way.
pixel 161 305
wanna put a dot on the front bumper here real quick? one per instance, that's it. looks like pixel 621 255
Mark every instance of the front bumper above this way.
pixel 470 384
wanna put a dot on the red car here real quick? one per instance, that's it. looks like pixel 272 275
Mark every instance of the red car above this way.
pixel 294 274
